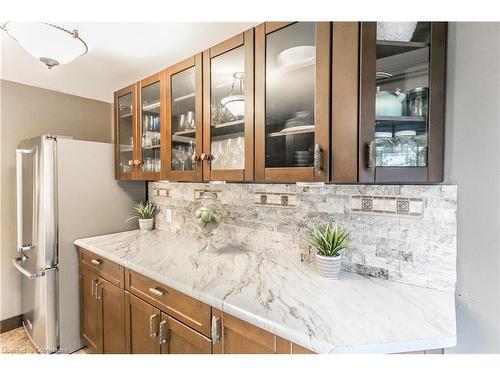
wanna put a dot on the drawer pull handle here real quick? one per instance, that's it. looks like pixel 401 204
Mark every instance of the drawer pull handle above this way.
pixel 163 332
pixel 215 329
pixel 157 291
pixel 96 261
pixel 152 331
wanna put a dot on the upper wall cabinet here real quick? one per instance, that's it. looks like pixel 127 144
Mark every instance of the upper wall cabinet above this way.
pixel 125 130
pixel 228 94
pixel 183 137
pixel 292 83
pixel 150 125
pixel 341 102
pixel 402 102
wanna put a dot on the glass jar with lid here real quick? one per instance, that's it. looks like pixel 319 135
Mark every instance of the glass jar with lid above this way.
pixel 406 147
pixel 421 140
pixel 383 147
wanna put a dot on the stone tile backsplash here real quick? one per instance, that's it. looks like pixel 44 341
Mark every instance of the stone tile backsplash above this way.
pixel 405 233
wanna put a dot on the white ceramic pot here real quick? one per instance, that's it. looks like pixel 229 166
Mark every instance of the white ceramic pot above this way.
pixel 328 266
pixel 396 31
pixel 146 224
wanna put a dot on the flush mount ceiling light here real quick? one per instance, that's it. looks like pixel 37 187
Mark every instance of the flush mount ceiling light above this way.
pixel 235 103
pixel 51 44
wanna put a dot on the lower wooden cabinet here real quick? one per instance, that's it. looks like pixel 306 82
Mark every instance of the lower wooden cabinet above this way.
pixel 177 338
pixel 90 316
pixel 234 336
pixel 102 320
pixel 150 318
pixel 150 331
pixel 142 326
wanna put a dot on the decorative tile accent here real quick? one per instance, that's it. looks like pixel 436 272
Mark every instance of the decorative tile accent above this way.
pixel 366 204
pixel 387 205
pixel 273 199
pixel 372 271
pixel 161 192
pixel 207 194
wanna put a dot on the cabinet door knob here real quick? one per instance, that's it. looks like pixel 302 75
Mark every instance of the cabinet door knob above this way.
pixel 163 333
pixel 205 157
pixel 371 154
pixel 137 162
pixel 92 287
pixel 97 289
pixel 96 261
pixel 195 158
pixel 215 329
pixel 130 162
pixel 152 331
pixel 318 158
pixel 157 291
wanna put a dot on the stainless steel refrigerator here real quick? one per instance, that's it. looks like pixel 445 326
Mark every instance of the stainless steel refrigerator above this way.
pixel 65 190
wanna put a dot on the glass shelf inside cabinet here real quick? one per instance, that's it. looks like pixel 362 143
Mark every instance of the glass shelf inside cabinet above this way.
pixel 290 83
pixel 150 128
pixel 227 110
pixel 125 131
pixel 402 95
pixel 183 120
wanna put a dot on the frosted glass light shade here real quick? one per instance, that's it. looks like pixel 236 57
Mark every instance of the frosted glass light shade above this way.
pixel 234 104
pixel 47 43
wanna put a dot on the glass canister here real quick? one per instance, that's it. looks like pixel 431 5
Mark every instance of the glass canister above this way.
pixel 407 148
pixel 417 102
pixel 384 148
pixel 421 140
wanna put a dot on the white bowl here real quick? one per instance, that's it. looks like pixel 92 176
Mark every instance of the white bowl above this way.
pixel 396 31
pixel 295 55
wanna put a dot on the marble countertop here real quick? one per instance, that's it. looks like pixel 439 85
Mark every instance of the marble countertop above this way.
pixel 274 291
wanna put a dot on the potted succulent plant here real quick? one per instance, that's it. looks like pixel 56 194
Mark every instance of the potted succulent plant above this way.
pixel 144 212
pixel 329 241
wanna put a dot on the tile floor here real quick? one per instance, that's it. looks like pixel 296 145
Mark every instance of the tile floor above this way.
pixel 16 342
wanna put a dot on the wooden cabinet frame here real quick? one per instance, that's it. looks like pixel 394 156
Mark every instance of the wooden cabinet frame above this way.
pixel 433 172
pixel 246 40
pixel 157 77
pixel 166 164
pixel 344 109
pixel 322 107
pixel 132 89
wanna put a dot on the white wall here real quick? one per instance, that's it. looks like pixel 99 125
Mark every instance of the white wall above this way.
pixel 472 160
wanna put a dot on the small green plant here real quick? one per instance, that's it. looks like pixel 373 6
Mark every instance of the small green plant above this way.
pixel 143 210
pixel 329 239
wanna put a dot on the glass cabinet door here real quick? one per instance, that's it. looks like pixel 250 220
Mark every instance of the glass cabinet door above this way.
pixel 228 122
pixel 400 86
pixel 150 128
pixel 293 66
pixel 184 116
pixel 125 132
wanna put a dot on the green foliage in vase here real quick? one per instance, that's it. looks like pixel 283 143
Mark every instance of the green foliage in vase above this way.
pixel 329 239
pixel 207 220
pixel 143 210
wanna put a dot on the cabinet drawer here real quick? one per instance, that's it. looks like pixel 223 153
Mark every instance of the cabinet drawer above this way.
pixel 107 269
pixel 189 311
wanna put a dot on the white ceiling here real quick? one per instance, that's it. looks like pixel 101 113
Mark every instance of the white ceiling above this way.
pixel 119 54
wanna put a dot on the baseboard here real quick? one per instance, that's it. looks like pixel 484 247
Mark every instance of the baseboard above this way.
pixel 11 323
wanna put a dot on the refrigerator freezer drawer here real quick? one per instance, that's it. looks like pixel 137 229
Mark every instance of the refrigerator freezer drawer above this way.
pixel 39 298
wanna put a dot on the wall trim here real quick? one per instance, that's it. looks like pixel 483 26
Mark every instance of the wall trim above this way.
pixel 11 323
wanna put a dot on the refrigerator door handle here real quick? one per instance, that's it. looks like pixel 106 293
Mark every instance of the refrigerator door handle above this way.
pixel 21 246
pixel 29 274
